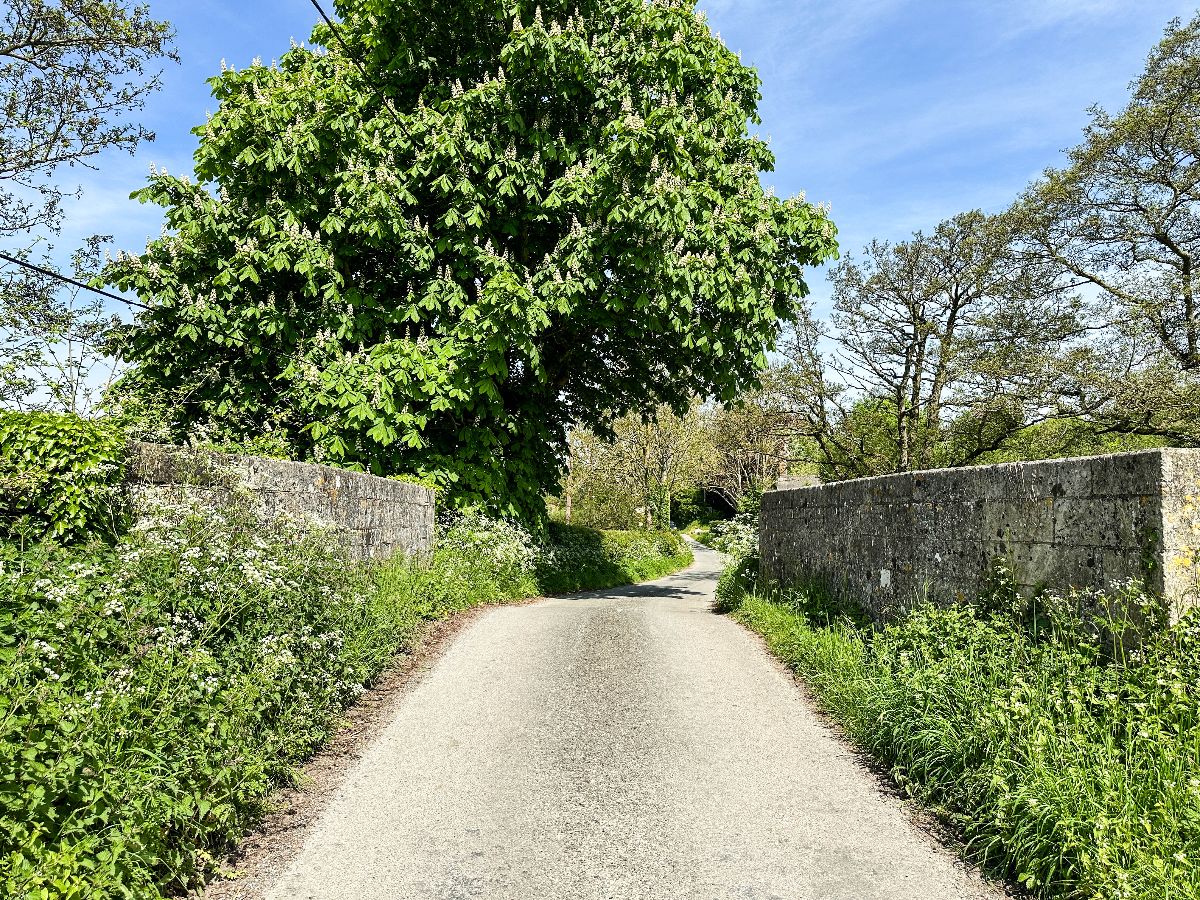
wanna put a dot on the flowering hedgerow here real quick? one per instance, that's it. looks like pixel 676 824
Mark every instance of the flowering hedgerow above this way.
pixel 155 690
pixel 737 537
pixel 152 692
pixel 577 559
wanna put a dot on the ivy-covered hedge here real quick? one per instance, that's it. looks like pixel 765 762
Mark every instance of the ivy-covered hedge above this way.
pixel 60 477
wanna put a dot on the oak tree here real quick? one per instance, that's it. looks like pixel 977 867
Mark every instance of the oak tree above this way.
pixel 939 349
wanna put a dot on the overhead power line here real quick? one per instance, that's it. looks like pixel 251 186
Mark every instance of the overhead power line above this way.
pixel 203 326
pixel 25 264
pixel 371 84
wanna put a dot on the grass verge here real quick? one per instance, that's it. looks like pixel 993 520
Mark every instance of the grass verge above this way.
pixel 153 692
pixel 1061 764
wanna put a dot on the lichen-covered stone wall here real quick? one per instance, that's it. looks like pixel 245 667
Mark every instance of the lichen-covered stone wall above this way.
pixel 374 518
pixel 1060 523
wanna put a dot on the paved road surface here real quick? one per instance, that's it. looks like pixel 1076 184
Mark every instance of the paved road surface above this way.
pixel 624 744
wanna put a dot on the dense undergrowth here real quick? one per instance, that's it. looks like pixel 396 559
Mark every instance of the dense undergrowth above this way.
pixel 154 690
pixel 60 477
pixel 1061 760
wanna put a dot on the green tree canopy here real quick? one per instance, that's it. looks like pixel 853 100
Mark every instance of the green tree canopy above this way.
pixel 1122 219
pixel 72 74
pixel 520 218
pixel 630 480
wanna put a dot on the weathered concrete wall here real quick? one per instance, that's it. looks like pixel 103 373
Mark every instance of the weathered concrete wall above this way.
pixel 1059 524
pixel 374 518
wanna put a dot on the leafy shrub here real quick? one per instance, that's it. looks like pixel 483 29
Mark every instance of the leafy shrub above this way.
pixel 156 690
pixel 750 503
pixel 1069 768
pixel 153 691
pixel 269 444
pixel 60 477
pixel 737 581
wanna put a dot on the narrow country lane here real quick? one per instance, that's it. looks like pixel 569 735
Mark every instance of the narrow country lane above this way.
pixel 621 744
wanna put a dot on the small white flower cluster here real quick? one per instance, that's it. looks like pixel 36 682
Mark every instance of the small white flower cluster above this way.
pixel 504 545
pixel 48 654
pixel 738 536
pixel 181 631
pixel 207 685
pixel 275 651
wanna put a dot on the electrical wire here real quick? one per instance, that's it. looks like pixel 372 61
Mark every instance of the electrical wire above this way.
pixel 203 326
pixel 387 104
pixel 50 273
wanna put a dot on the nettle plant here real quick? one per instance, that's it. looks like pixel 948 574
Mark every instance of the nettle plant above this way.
pixel 514 219
pixel 60 477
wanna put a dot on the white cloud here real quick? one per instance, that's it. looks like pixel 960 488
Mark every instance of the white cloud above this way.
pixel 784 37
pixel 1028 15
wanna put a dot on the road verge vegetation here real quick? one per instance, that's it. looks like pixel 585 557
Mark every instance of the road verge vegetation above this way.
pixel 1063 760
pixel 155 688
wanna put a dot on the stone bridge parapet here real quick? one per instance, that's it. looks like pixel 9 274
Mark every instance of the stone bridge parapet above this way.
pixel 1057 524
pixel 374 518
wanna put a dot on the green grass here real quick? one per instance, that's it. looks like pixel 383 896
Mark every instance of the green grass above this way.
pixel 583 559
pixel 1073 772
pixel 154 692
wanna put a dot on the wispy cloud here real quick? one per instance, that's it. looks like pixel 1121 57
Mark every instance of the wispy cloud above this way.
pixel 105 207
pixel 1028 15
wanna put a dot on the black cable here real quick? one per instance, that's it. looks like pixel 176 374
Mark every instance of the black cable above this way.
pixel 79 284
pixel 139 305
pixel 387 104
pixel 203 326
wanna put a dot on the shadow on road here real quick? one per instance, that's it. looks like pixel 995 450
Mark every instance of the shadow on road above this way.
pixel 695 582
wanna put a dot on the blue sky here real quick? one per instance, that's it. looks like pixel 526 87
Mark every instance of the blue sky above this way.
pixel 899 113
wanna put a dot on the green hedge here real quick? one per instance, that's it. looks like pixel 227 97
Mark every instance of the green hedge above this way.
pixel 154 691
pixel 60 477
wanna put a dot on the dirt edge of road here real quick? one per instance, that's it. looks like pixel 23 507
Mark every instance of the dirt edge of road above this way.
pixel 247 871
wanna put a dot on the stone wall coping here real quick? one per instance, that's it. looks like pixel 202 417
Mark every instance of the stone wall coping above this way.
pixel 372 516
pixel 142 452
pixel 1022 466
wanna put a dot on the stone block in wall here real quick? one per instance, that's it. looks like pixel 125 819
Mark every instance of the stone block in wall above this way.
pixel 1181 527
pixel 1019 520
pixel 1126 474
pixel 1106 521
